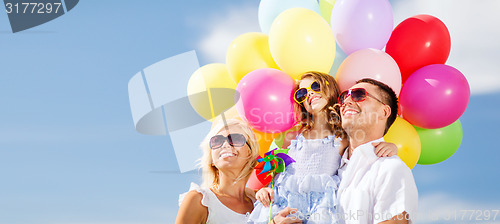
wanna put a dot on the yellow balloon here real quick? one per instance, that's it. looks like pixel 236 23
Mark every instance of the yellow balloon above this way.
pixel 406 138
pixel 211 90
pixel 248 52
pixel 300 40
pixel 325 7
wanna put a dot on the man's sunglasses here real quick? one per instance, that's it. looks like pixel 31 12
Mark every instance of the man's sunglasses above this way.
pixel 301 94
pixel 235 140
pixel 357 95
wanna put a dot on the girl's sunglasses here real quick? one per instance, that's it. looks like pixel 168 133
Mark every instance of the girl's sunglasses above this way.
pixel 235 140
pixel 301 94
pixel 357 95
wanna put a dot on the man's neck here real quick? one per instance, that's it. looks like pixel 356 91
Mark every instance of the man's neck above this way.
pixel 355 143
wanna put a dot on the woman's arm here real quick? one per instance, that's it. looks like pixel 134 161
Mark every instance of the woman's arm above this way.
pixel 191 210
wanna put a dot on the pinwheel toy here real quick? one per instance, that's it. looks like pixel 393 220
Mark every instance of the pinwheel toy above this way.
pixel 274 162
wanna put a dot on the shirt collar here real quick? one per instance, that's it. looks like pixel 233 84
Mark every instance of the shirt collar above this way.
pixel 366 150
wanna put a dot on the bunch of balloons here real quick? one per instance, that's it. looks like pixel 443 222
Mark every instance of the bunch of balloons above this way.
pixel 344 38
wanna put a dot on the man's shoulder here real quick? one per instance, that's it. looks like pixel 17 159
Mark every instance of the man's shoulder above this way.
pixel 393 164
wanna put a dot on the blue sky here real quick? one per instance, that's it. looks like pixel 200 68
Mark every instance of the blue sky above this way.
pixel 69 153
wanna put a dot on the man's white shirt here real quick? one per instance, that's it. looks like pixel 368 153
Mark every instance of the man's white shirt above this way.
pixel 374 189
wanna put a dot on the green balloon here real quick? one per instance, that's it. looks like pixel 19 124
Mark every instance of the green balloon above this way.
pixel 439 144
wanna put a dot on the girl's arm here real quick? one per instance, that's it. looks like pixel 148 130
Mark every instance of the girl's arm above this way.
pixel 385 149
pixel 288 138
pixel 343 146
pixel 191 209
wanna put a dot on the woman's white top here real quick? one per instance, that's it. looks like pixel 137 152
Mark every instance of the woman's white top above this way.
pixel 217 212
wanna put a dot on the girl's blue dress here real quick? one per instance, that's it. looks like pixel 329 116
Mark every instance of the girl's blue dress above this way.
pixel 309 185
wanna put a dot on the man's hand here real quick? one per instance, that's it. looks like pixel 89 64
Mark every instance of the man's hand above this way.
pixel 281 218
pixel 401 218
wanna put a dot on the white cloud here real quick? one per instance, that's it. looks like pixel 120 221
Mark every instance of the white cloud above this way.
pixel 226 26
pixel 444 208
pixel 474 31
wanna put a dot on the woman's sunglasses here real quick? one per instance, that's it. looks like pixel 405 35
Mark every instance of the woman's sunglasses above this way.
pixel 235 140
pixel 357 95
pixel 301 94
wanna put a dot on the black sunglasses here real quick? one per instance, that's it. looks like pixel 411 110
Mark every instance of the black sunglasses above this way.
pixel 357 95
pixel 235 140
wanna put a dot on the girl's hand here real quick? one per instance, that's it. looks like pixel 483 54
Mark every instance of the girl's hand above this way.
pixel 385 149
pixel 265 195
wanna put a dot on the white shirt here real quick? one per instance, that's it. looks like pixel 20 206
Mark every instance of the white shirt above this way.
pixel 217 212
pixel 374 189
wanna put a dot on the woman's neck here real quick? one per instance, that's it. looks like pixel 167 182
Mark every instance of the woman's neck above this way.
pixel 228 186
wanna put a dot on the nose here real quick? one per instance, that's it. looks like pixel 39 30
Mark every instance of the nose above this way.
pixel 225 144
pixel 310 92
pixel 348 100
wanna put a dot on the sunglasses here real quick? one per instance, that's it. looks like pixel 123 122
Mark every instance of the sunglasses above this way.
pixel 301 94
pixel 235 140
pixel 357 95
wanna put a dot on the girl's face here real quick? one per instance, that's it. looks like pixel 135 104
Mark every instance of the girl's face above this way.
pixel 231 157
pixel 314 102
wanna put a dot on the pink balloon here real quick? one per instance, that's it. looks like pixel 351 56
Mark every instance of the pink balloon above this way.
pixel 369 63
pixel 434 96
pixel 360 24
pixel 266 100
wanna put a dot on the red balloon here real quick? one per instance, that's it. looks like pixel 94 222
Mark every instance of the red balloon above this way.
pixel 419 41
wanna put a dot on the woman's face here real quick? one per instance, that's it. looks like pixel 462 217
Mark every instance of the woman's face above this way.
pixel 231 157
pixel 315 102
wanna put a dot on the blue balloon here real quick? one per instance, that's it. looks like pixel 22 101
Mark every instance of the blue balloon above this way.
pixel 270 9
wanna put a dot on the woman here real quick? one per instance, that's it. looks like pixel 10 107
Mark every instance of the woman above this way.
pixel 229 156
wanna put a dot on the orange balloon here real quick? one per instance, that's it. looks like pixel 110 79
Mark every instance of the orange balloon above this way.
pixel 265 140
pixel 406 138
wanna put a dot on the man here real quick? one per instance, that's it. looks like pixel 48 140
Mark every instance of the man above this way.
pixel 373 189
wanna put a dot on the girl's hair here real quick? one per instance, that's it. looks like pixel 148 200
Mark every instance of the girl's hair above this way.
pixel 330 90
pixel 210 172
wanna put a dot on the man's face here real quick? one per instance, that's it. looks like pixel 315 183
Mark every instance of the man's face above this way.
pixel 366 114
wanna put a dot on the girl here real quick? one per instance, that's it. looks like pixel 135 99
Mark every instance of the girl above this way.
pixel 310 184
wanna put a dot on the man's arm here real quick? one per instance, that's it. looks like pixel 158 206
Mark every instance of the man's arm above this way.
pixel 401 218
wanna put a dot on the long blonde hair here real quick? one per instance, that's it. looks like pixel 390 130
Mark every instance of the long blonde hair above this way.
pixel 330 90
pixel 211 174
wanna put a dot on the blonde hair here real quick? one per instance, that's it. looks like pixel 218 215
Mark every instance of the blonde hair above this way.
pixel 331 91
pixel 211 174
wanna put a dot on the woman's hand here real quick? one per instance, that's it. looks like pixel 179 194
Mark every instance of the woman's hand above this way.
pixel 385 149
pixel 281 217
pixel 265 195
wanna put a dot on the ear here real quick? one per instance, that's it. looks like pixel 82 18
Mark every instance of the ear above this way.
pixel 386 109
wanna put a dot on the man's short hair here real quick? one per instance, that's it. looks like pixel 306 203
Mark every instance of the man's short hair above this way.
pixel 388 97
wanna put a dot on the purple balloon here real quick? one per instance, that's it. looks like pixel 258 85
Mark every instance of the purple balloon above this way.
pixel 434 96
pixel 360 24
pixel 266 100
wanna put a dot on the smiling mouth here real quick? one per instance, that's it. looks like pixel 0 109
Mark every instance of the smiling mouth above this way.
pixel 350 112
pixel 313 99
pixel 226 155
